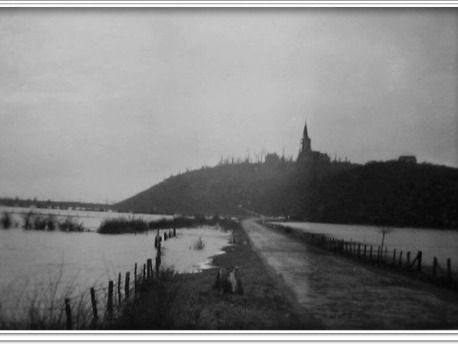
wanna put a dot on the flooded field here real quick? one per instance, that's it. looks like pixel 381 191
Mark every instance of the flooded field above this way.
pixel 91 220
pixel 41 265
pixel 442 244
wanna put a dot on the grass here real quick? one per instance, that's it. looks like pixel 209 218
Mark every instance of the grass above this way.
pixel 43 307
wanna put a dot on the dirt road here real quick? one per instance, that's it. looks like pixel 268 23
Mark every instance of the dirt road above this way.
pixel 344 294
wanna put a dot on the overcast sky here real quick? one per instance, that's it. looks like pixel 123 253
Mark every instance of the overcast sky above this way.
pixel 99 104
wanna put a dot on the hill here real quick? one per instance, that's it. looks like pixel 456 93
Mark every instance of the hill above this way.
pixel 390 193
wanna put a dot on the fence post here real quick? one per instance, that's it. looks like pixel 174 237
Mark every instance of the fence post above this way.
pixel 419 254
pixel 359 250
pixel 110 301
pixel 434 267
pixel 95 316
pixel 370 254
pixel 119 289
pixel 408 259
pixel 68 313
pixel 127 285
pixel 449 270
pixel 365 251
pixel 400 259
pixel 378 254
pixel 385 256
pixel 394 256
pixel 158 264
pixel 174 232
pixel 135 279
pixel 144 272
pixel 148 268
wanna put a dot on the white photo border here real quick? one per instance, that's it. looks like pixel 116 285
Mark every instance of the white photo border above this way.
pixel 416 336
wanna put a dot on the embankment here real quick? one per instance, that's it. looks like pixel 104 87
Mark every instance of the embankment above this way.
pixel 345 293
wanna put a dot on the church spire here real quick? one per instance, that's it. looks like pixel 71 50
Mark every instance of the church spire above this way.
pixel 306 147
pixel 305 133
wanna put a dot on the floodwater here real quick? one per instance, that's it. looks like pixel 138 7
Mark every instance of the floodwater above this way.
pixel 50 265
pixel 442 244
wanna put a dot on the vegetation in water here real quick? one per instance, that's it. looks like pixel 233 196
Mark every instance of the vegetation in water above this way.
pixel 120 225
pixel 6 221
pixel 199 244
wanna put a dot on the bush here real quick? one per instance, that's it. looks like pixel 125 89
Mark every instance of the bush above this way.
pixel 71 226
pixel 6 221
pixel 28 220
pixel 119 226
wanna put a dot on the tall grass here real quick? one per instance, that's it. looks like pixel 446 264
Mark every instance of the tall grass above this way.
pixel 42 307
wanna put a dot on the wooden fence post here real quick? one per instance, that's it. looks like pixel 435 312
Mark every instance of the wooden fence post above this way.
pixel 95 316
pixel 400 259
pixel 394 256
pixel 119 289
pixel 148 268
pixel 365 251
pixel 408 259
pixel 135 279
pixel 359 250
pixel 110 301
pixel 419 255
pixel 385 256
pixel 68 313
pixel 127 285
pixel 434 267
pixel 449 270
pixel 144 272
pixel 370 254
pixel 174 232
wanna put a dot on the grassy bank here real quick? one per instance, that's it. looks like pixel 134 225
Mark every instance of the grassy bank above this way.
pixel 188 302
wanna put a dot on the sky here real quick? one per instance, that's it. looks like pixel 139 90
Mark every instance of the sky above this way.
pixel 99 104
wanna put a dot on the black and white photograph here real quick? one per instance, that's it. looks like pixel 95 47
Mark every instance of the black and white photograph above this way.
pixel 228 169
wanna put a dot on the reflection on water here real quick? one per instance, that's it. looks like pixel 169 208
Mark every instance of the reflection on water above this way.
pixel 442 244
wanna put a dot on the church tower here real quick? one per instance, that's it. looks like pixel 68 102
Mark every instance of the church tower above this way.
pixel 306 146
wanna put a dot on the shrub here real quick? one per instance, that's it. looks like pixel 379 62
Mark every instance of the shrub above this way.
pixel 199 244
pixel 6 221
pixel 119 226
pixel 27 220
pixel 69 225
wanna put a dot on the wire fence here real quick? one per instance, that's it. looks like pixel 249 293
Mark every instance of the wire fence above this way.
pixel 408 262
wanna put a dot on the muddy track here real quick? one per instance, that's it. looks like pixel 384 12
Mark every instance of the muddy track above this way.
pixel 343 294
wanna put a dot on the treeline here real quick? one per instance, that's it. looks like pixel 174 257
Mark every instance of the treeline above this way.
pixel 387 193
pixel 26 203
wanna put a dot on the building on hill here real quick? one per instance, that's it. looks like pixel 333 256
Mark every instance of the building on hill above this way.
pixel 306 154
pixel 411 159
